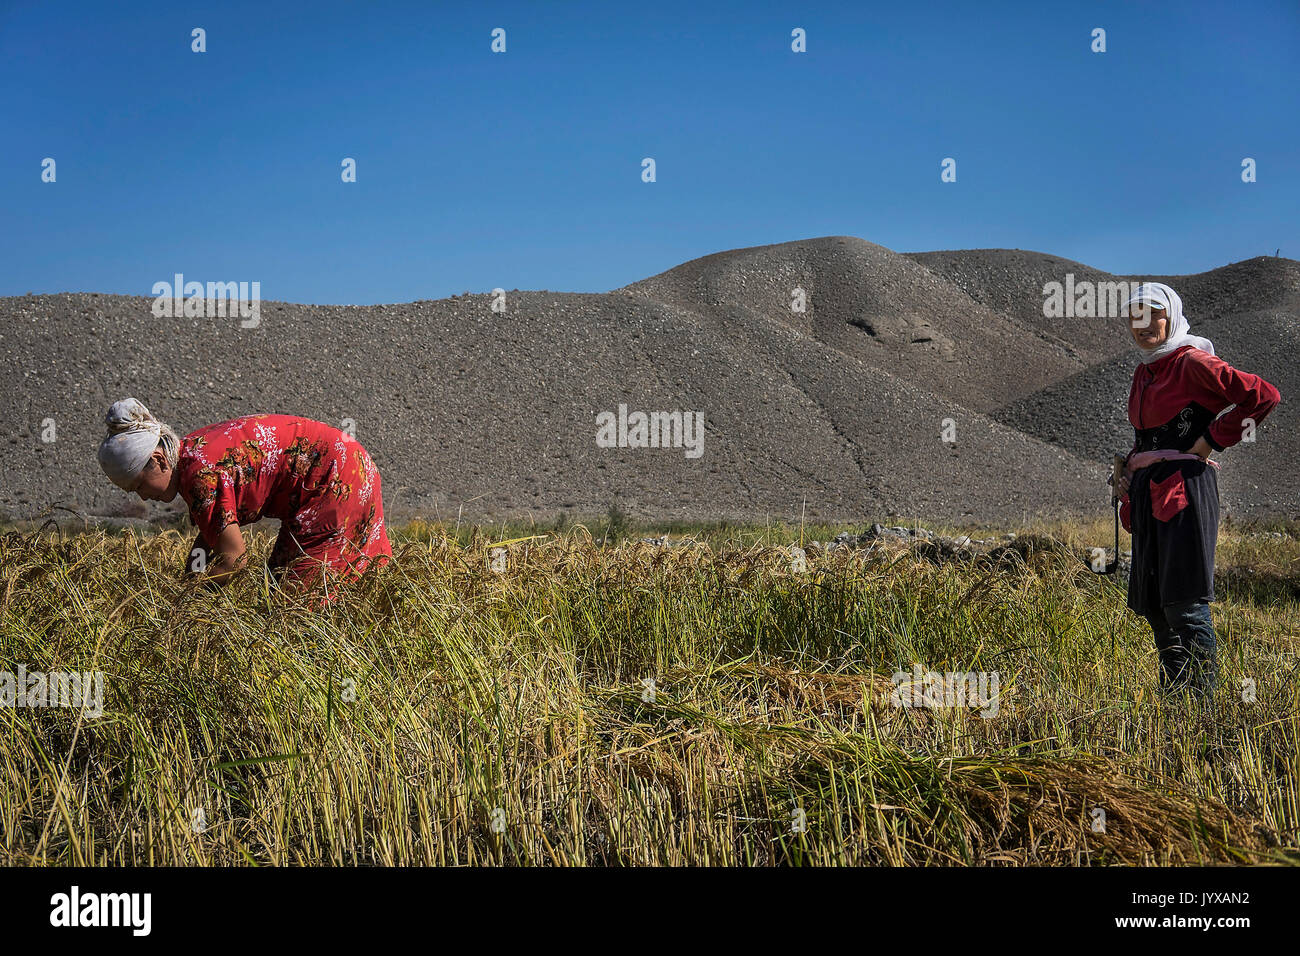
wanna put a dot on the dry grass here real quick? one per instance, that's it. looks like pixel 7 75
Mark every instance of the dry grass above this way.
pixel 439 697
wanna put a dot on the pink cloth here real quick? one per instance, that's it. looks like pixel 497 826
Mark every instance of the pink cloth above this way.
pixel 1144 458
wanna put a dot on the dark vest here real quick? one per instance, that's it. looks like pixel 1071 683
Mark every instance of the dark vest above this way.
pixel 1179 432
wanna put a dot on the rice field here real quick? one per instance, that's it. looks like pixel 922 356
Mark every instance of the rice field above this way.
pixel 576 696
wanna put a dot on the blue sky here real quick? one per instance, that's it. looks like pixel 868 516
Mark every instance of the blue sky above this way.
pixel 523 169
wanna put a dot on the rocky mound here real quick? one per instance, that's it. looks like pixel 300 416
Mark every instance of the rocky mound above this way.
pixel 835 413
pixel 873 305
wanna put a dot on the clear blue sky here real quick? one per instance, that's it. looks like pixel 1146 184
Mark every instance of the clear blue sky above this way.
pixel 523 169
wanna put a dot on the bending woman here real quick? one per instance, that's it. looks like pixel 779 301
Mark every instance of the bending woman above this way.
pixel 317 480
pixel 1170 490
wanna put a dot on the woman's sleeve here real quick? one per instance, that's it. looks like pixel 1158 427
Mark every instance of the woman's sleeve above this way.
pixel 1125 506
pixel 212 503
pixel 1215 381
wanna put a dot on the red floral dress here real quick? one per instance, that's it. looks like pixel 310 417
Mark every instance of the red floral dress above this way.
pixel 316 479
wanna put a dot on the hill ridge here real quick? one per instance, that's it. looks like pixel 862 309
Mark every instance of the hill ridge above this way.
pixel 478 414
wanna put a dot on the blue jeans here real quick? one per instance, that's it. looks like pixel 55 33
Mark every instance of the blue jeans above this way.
pixel 1185 639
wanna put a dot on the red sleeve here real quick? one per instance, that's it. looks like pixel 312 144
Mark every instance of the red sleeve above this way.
pixel 1215 384
pixel 1132 402
pixel 212 502
pixel 1125 508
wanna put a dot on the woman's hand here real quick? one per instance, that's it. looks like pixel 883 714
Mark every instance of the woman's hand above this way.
pixel 1201 449
pixel 227 557
pixel 196 562
pixel 1122 488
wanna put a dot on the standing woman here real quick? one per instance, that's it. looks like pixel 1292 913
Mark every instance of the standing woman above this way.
pixel 1170 489
pixel 317 480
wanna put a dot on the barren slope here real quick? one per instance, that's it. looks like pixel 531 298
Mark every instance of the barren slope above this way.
pixel 833 413
pixel 471 412
pixel 875 306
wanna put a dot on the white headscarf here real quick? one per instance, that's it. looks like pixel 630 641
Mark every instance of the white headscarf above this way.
pixel 1161 296
pixel 133 435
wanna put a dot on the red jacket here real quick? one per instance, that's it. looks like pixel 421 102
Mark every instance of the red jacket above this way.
pixel 1175 400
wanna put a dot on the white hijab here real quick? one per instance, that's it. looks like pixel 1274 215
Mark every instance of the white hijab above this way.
pixel 133 434
pixel 1161 296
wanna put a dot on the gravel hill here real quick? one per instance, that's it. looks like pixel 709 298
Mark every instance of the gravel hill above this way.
pixel 1010 282
pixel 874 306
pixel 835 412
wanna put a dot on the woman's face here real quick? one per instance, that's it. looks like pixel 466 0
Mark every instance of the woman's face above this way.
pixel 1148 334
pixel 158 480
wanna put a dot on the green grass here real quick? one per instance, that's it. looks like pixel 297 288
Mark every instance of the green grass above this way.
pixel 438 698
